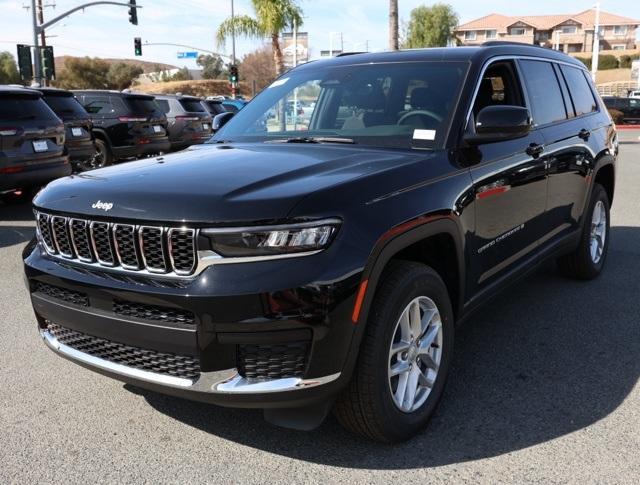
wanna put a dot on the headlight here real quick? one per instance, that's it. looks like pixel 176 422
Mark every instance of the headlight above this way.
pixel 272 240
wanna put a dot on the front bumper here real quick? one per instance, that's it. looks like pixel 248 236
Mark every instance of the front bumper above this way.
pixel 227 321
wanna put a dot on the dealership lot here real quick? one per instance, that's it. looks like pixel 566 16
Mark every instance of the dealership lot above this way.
pixel 543 389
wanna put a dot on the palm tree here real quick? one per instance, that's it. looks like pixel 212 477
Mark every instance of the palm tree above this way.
pixel 393 25
pixel 271 18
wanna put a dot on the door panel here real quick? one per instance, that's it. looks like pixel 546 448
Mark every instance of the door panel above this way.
pixel 510 197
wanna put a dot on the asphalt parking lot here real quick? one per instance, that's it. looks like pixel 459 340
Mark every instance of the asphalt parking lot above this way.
pixel 544 388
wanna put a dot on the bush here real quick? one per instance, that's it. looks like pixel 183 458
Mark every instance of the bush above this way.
pixel 607 61
pixel 616 116
pixel 585 60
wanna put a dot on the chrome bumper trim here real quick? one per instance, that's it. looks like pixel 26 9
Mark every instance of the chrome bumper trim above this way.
pixel 226 381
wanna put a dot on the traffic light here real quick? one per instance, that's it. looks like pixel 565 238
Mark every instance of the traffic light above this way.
pixel 137 46
pixel 48 62
pixel 24 62
pixel 233 73
pixel 133 14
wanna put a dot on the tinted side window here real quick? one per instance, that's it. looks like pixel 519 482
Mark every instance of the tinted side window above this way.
pixel 547 104
pixel 583 100
pixel 97 105
pixel 164 105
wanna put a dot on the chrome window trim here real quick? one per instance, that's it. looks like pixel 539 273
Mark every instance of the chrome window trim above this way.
pixel 88 236
pixel 93 244
pixel 55 237
pixel 164 270
pixel 491 60
pixel 138 252
pixel 194 236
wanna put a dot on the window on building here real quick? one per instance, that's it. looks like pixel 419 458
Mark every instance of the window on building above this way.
pixel 619 47
pixel 517 30
pixel 470 35
pixel 491 34
pixel 569 29
pixel 619 30
pixel 547 103
pixel 579 90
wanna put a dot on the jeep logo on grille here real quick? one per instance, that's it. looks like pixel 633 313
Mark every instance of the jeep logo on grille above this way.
pixel 105 206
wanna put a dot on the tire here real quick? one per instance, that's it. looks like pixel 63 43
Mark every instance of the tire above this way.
pixel 102 158
pixel 367 406
pixel 582 263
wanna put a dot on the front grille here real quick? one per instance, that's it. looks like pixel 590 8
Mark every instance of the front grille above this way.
pixel 272 361
pixel 160 250
pixel 153 312
pixel 183 366
pixel 70 296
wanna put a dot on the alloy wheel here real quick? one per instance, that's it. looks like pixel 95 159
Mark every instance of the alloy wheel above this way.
pixel 598 232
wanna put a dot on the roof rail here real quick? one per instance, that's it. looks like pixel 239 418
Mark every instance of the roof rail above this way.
pixel 490 43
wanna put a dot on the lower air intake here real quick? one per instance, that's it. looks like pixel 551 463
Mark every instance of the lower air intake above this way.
pixel 273 361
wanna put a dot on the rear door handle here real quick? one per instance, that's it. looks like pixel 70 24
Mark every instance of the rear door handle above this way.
pixel 584 134
pixel 534 150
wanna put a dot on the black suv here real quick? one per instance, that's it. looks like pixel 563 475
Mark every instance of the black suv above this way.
pixel 31 142
pixel 188 120
pixel 78 126
pixel 629 107
pixel 125 125
pixel 300 264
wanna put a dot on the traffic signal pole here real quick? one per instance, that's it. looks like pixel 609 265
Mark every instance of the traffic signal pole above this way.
pixel 40 28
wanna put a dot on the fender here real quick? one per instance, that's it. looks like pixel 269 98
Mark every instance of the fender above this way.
pixel 103 134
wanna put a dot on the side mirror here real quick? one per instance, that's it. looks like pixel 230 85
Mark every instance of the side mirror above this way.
pixel 220 120
pixel 499 123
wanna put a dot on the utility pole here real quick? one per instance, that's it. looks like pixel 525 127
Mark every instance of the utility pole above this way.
pixel 43 38
pixel 596 44
pixel 233 48
pixel 393 25
pixel 37 63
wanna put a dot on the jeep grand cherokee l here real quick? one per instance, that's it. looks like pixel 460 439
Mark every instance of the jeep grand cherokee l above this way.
pixel 188 121
pixel 31 142
pixel 78 126
pixel 299 266
pixel 125 125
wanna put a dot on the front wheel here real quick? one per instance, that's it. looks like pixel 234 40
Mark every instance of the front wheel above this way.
pixel 404 356
pixel 588 259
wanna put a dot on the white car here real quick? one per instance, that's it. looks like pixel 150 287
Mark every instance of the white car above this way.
pixel 635 94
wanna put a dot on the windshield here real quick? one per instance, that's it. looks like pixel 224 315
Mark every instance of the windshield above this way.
pixel 66 106
pixel 400 105
pixel 192 105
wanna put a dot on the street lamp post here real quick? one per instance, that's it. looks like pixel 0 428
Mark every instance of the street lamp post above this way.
pixel 596 44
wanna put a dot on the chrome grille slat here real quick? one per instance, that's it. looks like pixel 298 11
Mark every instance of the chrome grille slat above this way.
pixel 124 236
pixel 61 238
pixel 79 231
pixel 147 250
pixel 153 248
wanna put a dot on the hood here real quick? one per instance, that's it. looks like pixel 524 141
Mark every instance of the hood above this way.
pixel 217 183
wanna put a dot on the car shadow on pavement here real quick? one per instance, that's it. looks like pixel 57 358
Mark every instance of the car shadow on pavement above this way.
pixel 546 358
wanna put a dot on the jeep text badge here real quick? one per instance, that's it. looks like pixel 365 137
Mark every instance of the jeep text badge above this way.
pixel 105 206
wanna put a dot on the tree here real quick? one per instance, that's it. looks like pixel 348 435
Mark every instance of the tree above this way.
pixel 431 26
pixel 83 73
pixel 121 75
pixel 212 66
pixel 258 66
pixel 8 69
pixel 182 75
pixel 393 25
pixel 271 18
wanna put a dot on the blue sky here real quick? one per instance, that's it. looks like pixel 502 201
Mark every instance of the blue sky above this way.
pixel 104 30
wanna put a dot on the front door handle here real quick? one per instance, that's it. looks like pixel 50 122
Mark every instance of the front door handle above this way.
pixel 534 150
pixel 584 134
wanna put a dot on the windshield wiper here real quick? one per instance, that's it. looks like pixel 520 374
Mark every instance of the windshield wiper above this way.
pixel 314 139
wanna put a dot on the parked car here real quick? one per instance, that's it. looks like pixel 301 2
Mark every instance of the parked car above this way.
pixel 31 143
pixel 234 105
pixel 629 107
pixel 126 125
pixel 214 106
pixel 300 272
pixel 188 120
pixel 635 94
pixel 78 128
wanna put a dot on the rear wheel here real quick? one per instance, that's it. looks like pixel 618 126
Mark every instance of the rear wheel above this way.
pixel 588 259
pixel 102 157
pixel 404 356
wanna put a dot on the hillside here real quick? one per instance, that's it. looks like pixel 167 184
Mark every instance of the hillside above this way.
pixel 146 66
pixel 205 87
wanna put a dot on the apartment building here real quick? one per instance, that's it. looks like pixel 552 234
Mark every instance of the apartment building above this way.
pixel 568 33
